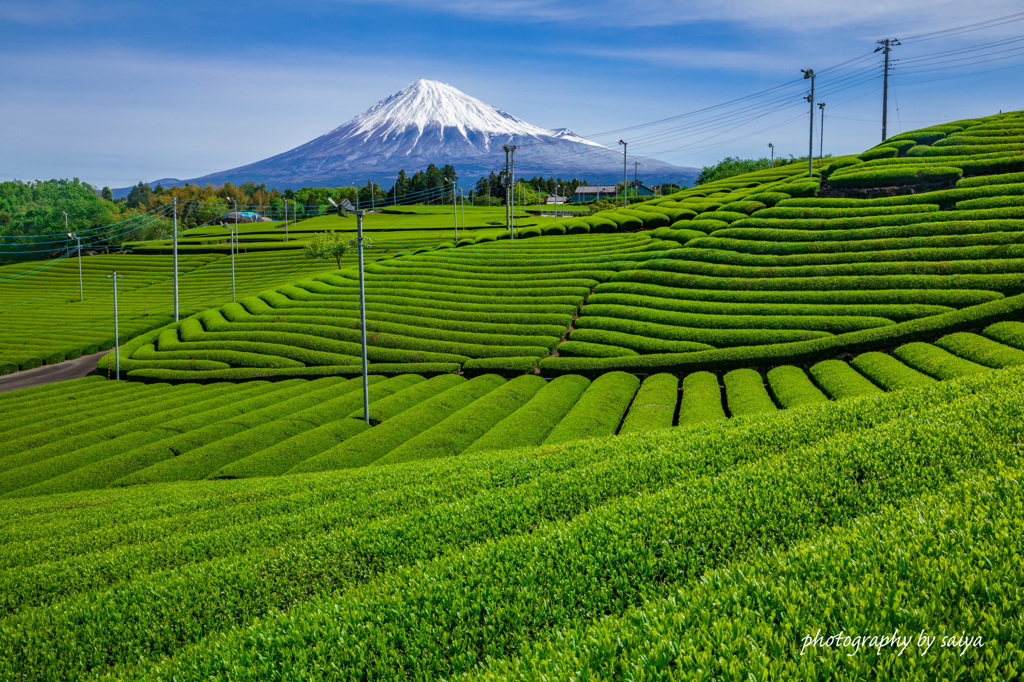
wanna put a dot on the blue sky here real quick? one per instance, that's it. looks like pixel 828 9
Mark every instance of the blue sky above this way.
pixel 117 92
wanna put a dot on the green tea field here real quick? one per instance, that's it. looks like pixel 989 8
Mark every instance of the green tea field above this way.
pixel 740 432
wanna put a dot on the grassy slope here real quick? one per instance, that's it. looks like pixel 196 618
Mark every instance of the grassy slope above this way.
pixel 750 270
pixel 492 561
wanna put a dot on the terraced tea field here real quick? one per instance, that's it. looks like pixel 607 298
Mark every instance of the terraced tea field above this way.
pixel 504 564
pixel 44 319
pixel 673 441
pixel 393 229
pixel 765 269
pixel 188 431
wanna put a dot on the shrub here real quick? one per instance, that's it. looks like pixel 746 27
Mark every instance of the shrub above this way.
pixel 721 216
pixel 371 445
pixel 879 153
pixel 901 145
pixel 840 381
pixel 279 457
pixel 223 457
pixel 894 176
pixel 654 406
pixel 506 367
pixel 706 226
pixel 458 431
pixel 745 206
pixel 701 400
pixel 283 373
pixel 918 137
pixel 385 407
pixel 745 393
pixel 599 223
pixel 621 221
pixel 719 338
pixel 888 372
pixel 677 214
pixel 963 150
pixel 531 423
pixel 990 202
pixel 830 323
pixel 599 411
pixel 819 348
pixel 768 198
pixel 981 350
pixel 592 350
pixel 804 188
pixel 640 344
pixel 677 235
pixel 649 218
pixel 935 361
pixel 577 226
pixel 1010 333
pixel 1001 179
pixel 791 387
pixel 828 213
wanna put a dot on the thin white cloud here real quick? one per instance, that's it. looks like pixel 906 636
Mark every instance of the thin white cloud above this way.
pixel 118 115
pixel 51 12
pixel 685 58
pixel 790 15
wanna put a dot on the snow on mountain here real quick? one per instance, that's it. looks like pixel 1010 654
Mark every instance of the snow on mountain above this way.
pixel 432 122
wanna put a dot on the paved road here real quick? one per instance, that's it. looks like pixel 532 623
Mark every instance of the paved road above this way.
pixel 47 374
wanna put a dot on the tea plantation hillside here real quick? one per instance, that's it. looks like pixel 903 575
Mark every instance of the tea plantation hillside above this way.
pixel 98 434
pixel 46 317
pixel 50 313
pixel 713 549
pixel 912 240
pixel 393 229
pixel 696 438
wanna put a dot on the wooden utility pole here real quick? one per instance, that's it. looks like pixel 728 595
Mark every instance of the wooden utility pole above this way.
pixel 809 73
pixel 886 47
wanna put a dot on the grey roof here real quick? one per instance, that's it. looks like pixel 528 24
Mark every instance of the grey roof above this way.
pixel 594 189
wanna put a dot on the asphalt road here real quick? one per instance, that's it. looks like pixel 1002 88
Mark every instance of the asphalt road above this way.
pixel 47 374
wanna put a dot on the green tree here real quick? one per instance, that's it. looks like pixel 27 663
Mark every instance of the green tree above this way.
pixel 334 245
pixel 730 166
pixel 139 196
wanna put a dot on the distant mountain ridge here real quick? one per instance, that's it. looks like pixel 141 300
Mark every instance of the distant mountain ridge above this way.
pixel 432 122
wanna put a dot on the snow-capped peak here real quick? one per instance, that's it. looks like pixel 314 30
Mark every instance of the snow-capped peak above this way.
pixel 432 122
pixel 432 104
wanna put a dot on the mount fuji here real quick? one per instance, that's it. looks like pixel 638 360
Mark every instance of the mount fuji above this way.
pixel 432 122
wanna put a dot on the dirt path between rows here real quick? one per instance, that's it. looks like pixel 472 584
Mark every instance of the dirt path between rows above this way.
pixel 47 374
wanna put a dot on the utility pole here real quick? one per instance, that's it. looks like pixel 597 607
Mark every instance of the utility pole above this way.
pixel 886 47
pixel 625 201
pixel 821 133
pixel 362 316
pixel 809 73
pixel 175 209
pixel 117 349
pixel 81 287
pixel 234 239
pixel 455 210
pixel 772 148
pixel 509 156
